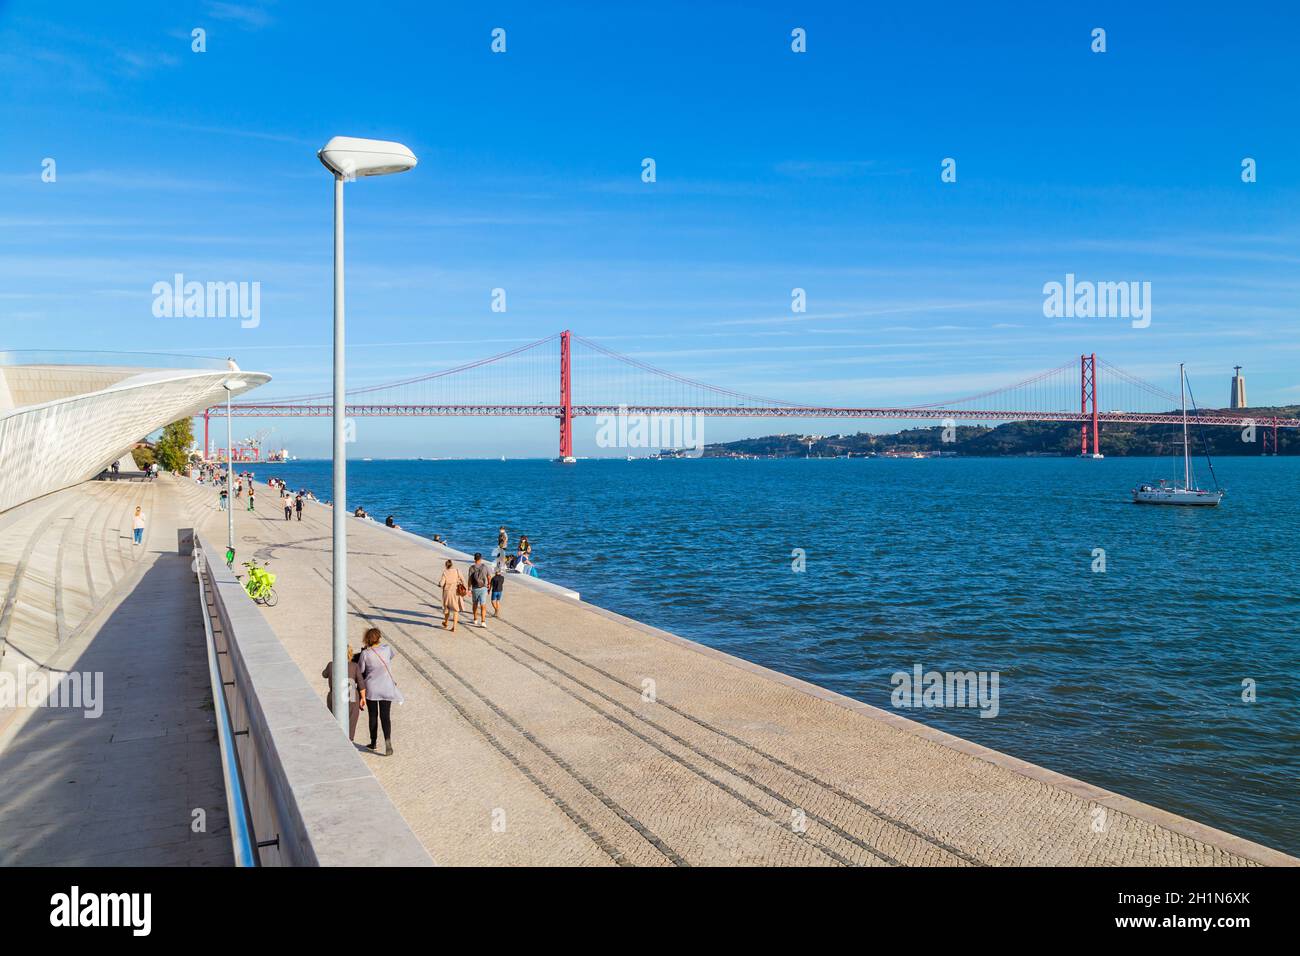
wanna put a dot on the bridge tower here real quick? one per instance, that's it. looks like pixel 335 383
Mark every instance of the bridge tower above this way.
pixel 1088 393
pixel 566 401
pixel 1270 433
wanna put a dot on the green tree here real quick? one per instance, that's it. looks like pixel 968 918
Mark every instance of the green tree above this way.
pixel 143 457
pixel 172 448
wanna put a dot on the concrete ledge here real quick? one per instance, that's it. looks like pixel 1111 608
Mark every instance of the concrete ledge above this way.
pixel 305 783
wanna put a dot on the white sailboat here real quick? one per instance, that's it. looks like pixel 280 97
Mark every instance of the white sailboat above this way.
pixel 1162 492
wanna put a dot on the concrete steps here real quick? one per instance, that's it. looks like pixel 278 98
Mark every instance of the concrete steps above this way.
pixel 61 559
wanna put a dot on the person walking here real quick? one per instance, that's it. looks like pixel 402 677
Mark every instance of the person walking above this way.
pixel 224 498
pixel 498 583
pixel 287 502
pixel 378 689
pixel 354 690
pixel 250 496
pixel 137 526
pixel 297 505
pixel 453 594
pixel 503 540
pixel 479 577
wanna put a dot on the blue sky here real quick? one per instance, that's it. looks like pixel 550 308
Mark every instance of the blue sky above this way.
pixel 775 170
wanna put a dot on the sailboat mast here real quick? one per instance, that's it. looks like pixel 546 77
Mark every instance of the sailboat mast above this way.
pixel 1182 392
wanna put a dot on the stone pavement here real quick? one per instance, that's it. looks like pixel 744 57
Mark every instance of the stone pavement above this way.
pixel 565 734
pixel 120 789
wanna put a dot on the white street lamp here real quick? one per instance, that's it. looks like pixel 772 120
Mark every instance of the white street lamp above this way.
pixel 348 158
pixel 230 385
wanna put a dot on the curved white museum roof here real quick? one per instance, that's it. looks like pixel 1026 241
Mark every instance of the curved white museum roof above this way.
pixel 66 416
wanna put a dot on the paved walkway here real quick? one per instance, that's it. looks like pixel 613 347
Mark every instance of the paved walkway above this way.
pixel 538 741
pixel 121 789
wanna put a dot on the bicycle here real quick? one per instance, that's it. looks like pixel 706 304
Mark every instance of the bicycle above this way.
pixel 259 584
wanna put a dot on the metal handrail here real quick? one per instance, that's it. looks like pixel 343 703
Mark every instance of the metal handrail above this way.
pixel 241 828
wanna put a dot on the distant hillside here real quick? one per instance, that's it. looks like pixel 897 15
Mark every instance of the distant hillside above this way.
pixel 1014 438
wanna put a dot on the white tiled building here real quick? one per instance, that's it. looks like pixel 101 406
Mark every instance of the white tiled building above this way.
pixel 64 423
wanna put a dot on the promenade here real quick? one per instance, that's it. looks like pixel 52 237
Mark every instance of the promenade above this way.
pixel 565 734
pixel 120 788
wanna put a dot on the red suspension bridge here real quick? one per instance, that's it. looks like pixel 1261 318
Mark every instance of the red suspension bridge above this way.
pixel 594 380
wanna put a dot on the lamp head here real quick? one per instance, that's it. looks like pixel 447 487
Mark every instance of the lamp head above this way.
pixel 350 157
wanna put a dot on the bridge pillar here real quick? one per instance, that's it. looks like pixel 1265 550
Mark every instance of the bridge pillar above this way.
pixel 1096 438
pixel 1088 393
pixel 1270 432
pixel 205 434
pixel 566 400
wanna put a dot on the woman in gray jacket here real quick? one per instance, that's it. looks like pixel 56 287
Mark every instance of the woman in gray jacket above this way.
pixel 378 689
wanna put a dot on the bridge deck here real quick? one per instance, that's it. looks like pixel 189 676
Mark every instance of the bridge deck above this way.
pixel 120 789
pixel 530 742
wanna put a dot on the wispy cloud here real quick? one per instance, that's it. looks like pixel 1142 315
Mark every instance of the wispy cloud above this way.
pixel 247 16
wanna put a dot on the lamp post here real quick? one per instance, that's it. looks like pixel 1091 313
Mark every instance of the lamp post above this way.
pixel 347 158
pixel 230 385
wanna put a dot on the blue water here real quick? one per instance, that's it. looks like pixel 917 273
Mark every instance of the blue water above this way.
pixel 1131 679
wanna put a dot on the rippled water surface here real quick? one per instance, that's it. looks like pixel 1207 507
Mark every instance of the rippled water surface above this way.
pixel 1131 679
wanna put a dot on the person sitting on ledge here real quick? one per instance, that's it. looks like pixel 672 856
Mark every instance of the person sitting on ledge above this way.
pixel 389 522
pixel 360 513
